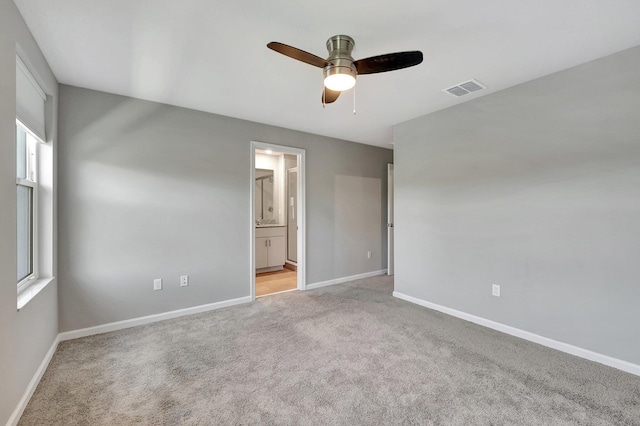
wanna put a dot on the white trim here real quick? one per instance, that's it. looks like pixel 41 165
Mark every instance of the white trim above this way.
pixel 120 325
pixel 346 279
pixel 302 233
pixel 390 219
pixel 301 249
pixel 526 335
pixel 25 182
pixel 32 181
pixel 30 289
pixel 252 215
pixel 33 384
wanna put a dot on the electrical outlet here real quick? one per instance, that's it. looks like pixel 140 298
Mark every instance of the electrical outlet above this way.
pixel 368 255
pixel 184 280
pixel 495 290
pixel 157 284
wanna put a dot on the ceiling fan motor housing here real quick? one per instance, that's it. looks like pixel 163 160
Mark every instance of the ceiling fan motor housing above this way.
pixel 340 60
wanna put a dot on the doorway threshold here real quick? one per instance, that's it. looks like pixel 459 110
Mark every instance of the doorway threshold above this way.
pixel 277 292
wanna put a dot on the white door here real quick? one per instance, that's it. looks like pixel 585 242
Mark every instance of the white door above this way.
pixel 390 267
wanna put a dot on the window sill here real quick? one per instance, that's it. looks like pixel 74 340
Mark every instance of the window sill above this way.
pixel 25 295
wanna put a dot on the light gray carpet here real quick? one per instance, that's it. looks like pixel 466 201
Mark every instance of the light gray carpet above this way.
pixel 344 355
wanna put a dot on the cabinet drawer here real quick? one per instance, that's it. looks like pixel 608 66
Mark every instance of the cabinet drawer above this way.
pixel 279 231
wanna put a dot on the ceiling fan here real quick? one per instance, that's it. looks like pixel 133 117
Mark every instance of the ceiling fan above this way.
pixel 340 69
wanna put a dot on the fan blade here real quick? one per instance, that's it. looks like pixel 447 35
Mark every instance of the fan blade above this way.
pixel 388 62
pixel 329 96
pixel 298 54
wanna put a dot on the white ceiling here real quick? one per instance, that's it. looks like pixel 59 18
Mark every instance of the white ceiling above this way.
pixel 212 56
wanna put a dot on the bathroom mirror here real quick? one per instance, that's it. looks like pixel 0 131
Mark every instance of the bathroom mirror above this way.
pixel 265 212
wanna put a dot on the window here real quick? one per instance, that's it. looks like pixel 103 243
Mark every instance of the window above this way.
pixel 34 186
pixel 27 203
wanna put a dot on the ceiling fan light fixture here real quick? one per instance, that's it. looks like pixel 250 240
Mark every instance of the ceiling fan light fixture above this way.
pixel 341 70
pixel 339 78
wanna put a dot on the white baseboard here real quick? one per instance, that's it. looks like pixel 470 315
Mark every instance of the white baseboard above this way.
pixel 532 337
pixel 33 384
pixel 345 279
pixel 120 325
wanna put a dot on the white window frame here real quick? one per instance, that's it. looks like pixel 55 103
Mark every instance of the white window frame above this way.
pixel 31 181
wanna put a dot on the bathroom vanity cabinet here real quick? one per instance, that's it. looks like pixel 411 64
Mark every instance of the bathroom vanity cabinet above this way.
pixel 270 248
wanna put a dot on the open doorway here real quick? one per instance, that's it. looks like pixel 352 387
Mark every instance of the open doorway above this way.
pixel 277 226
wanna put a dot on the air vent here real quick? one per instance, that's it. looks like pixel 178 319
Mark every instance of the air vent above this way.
pixel 466 87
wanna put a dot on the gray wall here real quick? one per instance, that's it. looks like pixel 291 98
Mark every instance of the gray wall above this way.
pixel 535 188
pixel 154 191
pixel 25 336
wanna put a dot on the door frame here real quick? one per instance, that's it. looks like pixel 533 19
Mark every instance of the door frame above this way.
pixel 390 220
pixel 302 240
